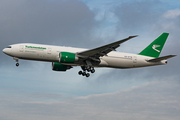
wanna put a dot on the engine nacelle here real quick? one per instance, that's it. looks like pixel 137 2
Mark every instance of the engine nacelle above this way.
pixel 59 67
pixel 67 57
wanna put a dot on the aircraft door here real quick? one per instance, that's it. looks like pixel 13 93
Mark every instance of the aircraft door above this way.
pixel 21 48
pixel 134 59
pixel 49 51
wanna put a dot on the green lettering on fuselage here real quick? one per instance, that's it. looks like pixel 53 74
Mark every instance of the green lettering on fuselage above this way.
pixel 35 47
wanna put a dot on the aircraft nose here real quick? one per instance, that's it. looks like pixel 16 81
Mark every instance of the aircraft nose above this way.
pixel 7 50
pixel 4 51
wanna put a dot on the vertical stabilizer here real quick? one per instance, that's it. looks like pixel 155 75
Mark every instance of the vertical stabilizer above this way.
pixel 155 48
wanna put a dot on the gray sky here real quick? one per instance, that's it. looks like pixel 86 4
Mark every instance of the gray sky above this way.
pixel 34 91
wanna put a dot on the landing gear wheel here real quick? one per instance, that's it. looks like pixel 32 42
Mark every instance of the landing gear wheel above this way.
pixel 86 69
pixel 83 73
pixel 80 72
pixel 87 75
pixel 93 70
pixel 17 64
pixel 83 68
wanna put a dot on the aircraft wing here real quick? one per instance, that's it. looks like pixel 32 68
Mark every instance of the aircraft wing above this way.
pixel 95 53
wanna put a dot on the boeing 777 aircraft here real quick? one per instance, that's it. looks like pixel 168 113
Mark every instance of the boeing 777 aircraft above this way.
pixel 63 58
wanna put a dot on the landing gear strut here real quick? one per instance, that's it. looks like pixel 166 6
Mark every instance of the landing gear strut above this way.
pixel 88 69
pixel 17 64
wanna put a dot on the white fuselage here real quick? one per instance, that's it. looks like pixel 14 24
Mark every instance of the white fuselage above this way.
pixel 50 53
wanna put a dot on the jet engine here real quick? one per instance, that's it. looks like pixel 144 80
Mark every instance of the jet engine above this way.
pixel 59 67
pixel 67 57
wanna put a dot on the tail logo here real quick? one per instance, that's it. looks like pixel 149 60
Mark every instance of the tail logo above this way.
pixel 155 46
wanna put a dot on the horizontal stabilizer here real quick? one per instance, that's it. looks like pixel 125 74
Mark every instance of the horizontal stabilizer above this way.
pixel 161 58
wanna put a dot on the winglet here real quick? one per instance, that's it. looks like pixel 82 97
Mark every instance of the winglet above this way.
pixel 133 36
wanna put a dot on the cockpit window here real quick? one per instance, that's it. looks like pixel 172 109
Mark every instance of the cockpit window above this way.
pixel 8 47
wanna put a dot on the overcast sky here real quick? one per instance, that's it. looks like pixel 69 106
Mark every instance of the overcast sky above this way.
pixel 34 91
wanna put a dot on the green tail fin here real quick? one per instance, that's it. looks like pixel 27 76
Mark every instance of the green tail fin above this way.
pixel 155 48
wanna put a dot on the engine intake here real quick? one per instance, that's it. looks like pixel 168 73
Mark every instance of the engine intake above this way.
pixel 67 57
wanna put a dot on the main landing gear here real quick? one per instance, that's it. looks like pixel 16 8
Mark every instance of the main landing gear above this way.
pixel 88 69
pixel 17 64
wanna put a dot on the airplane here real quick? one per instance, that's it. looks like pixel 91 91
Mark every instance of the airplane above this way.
pixel 64 58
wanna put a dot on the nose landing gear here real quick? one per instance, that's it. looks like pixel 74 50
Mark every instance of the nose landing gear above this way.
pixel 17 64
pixel 88 69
